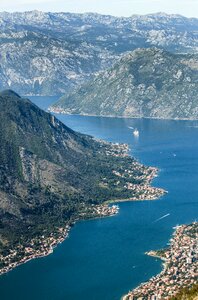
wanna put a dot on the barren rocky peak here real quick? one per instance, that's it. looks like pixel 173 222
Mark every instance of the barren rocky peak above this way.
pixel 68 49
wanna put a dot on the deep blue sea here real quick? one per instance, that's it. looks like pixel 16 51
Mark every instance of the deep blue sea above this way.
pixel 102 259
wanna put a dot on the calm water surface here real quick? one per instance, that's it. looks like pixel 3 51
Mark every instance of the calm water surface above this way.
pixel 102 259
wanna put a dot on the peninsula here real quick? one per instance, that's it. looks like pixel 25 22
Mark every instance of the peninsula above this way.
pixel 180 267
pixel 51 177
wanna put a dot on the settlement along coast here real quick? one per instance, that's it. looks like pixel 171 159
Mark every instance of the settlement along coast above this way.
pixel 180 267
pixel 43 245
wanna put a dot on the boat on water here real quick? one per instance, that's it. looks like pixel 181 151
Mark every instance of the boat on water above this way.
pixel 136 133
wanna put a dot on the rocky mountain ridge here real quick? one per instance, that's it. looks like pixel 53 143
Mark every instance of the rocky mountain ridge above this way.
pixel 51 53
pixel 150 83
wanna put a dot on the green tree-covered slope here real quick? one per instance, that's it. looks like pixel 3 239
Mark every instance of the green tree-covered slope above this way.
pixel 49 174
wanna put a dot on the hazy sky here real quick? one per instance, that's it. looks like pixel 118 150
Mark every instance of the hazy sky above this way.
pixel 114 7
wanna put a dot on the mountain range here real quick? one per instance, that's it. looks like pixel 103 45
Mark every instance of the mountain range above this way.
pixel 150 83
pixel 50 53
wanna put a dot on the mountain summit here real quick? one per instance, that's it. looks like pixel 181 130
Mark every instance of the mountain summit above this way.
pixel 67 49
pixel 9 93
pixel 149 83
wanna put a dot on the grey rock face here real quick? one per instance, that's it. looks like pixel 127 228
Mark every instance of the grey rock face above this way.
pixel 145 83
pixel 51 53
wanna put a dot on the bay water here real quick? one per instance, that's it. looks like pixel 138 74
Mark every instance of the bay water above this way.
pixel 102 259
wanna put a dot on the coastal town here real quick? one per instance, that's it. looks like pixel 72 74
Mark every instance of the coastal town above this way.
pixel 36 247
pixel 99 211
pixel 44 245
pixel 180 267
pixel 143 190
pixel 134 177
pixel 115 149
pixel 137 177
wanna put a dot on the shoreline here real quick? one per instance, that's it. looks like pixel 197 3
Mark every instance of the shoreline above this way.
pixel 119 117
pixel 155 198
pixel 41 246
pixel 36 256
pixel 106 211
pixel 179 267
pixel 153 253
pixel 67 229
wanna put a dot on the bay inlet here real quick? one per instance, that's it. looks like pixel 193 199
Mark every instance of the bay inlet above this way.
pixel 104 258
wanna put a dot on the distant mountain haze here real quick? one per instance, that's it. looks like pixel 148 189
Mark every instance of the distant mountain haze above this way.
pixel 51 53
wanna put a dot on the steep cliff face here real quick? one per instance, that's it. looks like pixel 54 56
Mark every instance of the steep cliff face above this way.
pixel 50 53
pixel 144 83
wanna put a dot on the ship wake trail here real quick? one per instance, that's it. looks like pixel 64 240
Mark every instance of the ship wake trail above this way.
pixel 165 216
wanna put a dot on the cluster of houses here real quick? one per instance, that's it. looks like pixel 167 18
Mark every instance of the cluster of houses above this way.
pixel 43 245
pixel 141 191
pixel 106 210
pixel 116 149
pixel 180 267
pixel 37 247
pixel 144 192
pixel 103 210
pixel 137 172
